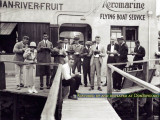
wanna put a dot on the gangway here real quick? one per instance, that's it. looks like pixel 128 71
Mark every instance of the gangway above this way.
pixel 91 108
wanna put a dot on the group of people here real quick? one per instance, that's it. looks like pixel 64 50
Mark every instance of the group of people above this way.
pixel 71 56
pixel 118 53
pixel 32 54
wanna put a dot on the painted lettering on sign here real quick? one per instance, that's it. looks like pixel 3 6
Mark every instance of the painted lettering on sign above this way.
pixel 31 5
pixel 122 16
pixel 123 6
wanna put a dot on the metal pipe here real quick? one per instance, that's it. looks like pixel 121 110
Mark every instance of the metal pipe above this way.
pixel 148 37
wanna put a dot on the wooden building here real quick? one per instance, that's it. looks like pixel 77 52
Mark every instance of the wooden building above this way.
pixel 132 19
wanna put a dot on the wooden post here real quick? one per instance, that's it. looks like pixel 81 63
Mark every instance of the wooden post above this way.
pixel 136 108
pixel 145 71
pixel 0 106
pixel 15 107
pixel 60 100
pixel 0 112
pixel 149 102
pixel 2 76
pixel 109 83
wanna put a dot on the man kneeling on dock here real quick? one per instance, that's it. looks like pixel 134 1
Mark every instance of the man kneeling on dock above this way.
pixel 70 79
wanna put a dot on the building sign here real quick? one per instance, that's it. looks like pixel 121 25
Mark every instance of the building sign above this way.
pixel 122 16
pixel 124 10
pixel 31 5
pixel 123 6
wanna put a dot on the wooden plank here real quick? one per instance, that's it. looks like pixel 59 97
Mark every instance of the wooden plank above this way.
pixel 11 87
pixel 2 76
pixel 15 106
pixel 86 109
pixel 136 108
pixel 145 71
pixel 134 89
pixel 127 83
pixel 109 83
pixel 150 87
pixel 33 30
pixel 50 106
pixel 0 107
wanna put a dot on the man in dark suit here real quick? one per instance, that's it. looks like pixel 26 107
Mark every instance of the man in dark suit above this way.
pixel 86 62
pixel 59 55
pixel 139 53
pixel 65 45
pixel 112 49
pixel 44 49
pixel 122 57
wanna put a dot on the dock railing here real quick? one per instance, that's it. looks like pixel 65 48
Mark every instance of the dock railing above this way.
pixel 142 83
pixel 54 96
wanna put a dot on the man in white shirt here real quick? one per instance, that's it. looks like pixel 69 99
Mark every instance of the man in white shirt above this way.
pixel 66 47
pixel 66 44
pixel 70 79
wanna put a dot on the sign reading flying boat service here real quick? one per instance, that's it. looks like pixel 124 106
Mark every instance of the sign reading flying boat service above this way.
pixel 123 10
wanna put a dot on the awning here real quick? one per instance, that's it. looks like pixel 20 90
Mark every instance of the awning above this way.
pixel 7 28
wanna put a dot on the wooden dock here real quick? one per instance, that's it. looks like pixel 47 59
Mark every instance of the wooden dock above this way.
pixel 94 108
pixel 11 87
pixel 83 108
pixel 88 108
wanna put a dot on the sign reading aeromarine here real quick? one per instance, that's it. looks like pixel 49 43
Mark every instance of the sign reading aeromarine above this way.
pixel 123 6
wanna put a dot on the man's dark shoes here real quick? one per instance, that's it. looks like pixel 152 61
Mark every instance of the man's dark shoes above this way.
pixel 91 88
pixel 48 87
pixel 41 88
pixel 21 85
pixel 99 88
pixel 73 97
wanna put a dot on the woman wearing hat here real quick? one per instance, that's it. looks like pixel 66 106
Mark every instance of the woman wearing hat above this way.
pixel 30 56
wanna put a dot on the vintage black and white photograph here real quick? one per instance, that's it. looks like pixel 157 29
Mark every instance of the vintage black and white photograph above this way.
pixel 79 59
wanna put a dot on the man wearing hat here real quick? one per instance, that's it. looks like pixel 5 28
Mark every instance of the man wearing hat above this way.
pixel 77 48
pixel 122 58
pixel 19 49
pixel 112 50
pixel 86 62
pixel 44 50
pixel 59 55
pixel 97 52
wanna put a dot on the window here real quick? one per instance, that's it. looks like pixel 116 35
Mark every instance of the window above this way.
pixel 7 37
pixel 130 34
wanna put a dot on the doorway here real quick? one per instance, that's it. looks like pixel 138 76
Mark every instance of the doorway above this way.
pixel 70 30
